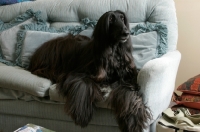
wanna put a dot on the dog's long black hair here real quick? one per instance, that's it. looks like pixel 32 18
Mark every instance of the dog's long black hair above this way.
pixel 81 67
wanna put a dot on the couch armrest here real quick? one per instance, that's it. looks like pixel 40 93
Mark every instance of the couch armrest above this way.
pixel 157 81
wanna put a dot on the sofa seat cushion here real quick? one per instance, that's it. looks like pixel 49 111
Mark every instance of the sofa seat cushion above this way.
pixel 35 109
pixel 19 79
pixel 53 98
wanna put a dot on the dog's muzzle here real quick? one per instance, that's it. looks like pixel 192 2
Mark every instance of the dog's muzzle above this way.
pixel 125 36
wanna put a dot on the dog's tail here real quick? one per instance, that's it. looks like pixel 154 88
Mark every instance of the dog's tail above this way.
pixel 80 93
pixel 131 113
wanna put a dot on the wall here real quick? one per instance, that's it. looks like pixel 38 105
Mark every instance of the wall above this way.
pixel 188 14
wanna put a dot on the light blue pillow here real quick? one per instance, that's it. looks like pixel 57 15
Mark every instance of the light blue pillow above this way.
pixel 8 34
pixel 149 40
pixel 31 41
pixel 145 46
pixel 161 30
pixel 27 44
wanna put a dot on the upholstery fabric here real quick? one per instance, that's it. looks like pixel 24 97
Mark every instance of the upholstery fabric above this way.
pixel 53 98
pixel 57 125
pixel 11 107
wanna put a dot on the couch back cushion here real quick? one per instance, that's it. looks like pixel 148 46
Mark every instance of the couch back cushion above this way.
pixel 62 11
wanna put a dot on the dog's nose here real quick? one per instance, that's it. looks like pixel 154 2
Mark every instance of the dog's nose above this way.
pixel 125 33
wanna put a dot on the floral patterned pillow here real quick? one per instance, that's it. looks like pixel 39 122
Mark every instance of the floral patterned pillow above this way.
pixel 191 86
pixel 187 100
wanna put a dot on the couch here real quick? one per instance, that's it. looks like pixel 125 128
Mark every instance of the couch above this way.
pixel 26 98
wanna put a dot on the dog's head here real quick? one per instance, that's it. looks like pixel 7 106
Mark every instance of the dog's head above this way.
pixel 112 26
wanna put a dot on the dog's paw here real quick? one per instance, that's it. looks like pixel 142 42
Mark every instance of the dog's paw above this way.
pixel 106 92
pixel 131 113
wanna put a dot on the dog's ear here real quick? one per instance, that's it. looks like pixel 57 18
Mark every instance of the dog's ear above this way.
pixel 126 22
pixel 101 31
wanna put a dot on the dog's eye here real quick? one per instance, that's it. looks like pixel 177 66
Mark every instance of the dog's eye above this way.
pixel 122 17
pixel 111 19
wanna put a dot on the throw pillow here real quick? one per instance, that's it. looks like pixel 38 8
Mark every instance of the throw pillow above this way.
pixel 31 41
pixel 187 100
pixel 149 41
pixel 145 43
pixel 8 34
pixel 191 86
pixel 27 43
pixel 162 32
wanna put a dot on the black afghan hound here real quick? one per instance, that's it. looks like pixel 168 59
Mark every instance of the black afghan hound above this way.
pixel 82 67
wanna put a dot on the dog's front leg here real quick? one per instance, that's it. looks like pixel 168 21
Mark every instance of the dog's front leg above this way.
pixel 131 113
pixel 80 93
